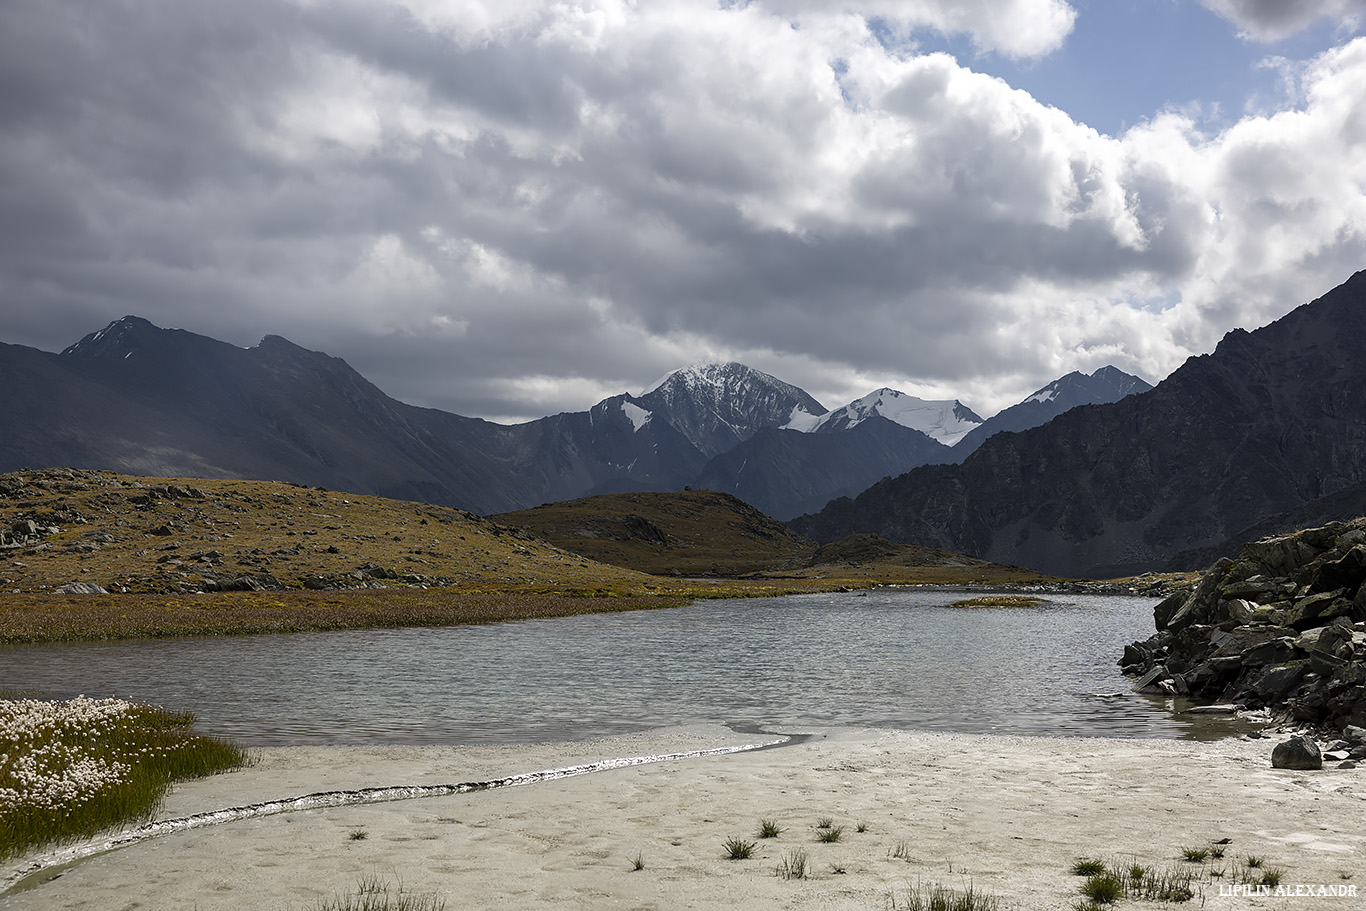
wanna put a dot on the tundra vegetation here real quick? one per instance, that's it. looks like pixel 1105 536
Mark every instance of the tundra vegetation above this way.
pixel 151 557
pixel 74 768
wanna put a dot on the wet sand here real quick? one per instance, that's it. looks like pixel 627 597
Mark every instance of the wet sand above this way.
pixel 1006 815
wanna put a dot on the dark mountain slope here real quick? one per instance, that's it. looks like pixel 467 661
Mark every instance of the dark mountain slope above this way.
pixel 1106 385
pixel 786 473
pixel 136 398
pixel 1270 420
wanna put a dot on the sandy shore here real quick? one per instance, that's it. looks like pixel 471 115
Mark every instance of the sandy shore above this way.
pixel 1008 815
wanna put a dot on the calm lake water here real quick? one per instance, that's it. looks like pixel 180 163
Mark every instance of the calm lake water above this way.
pixel 893 658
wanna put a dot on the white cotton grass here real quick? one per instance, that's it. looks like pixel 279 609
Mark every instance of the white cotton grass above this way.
pixel 72 768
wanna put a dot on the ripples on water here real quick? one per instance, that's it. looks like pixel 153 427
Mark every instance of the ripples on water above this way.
pixel 892 658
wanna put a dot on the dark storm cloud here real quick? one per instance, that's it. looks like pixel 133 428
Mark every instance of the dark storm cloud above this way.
pixel 1269 20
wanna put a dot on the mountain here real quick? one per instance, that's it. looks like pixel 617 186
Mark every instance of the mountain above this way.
pixel 886 433
pixel 140 399
pixel 786 473
pixel 1104 386
pixel 1270 421
pixel 717 406
pixel 946 422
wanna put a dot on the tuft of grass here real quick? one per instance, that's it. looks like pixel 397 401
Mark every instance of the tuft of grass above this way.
pixel 738 849
pixel 861 827
pixel 936 897
pixel 1165 885
pixel 1195 855
pixel 902 851
pixel 1217 852
pixel 359 835
pixel 824 822
pixel 1103 888
pixel 829 836
pixel 768 828
pixel 71 769
pixel 1253 861
pixel 1087 867
pixel 1271 877
pixel 373 894
pixel 637 863
pixel 794 865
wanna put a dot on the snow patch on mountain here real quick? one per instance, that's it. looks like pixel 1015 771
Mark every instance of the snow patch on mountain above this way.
pixel 1046 394
pixel 638 416
pixel 947 421
pixel 802 420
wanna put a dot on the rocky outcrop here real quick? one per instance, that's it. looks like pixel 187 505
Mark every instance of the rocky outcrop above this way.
pixel 1282 627
pixel 24 533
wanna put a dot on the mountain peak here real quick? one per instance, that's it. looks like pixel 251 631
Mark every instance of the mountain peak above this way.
pixel 117 340
pixel 1106 384
pixel 946 421
pixel 704 375
pixel 718 405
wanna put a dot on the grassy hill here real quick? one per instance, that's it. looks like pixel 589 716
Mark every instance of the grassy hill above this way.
pixel 165 535
pixel 706 533
pixel 689 532
pixel 179 556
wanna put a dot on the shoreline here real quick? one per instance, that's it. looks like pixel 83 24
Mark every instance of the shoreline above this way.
pixel 1008 814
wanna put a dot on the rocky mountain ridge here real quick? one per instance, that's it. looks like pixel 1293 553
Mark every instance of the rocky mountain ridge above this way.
pixel 1270 421
pixel 143 400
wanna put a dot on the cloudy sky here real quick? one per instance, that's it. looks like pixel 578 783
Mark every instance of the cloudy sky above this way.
pixel 508 208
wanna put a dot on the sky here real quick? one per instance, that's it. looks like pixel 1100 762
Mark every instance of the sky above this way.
pixel 512 208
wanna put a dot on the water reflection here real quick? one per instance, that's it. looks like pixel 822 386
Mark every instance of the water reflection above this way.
pixel 893 658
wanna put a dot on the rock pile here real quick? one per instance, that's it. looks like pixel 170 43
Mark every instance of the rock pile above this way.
pixel 1281 627
pixel 25 533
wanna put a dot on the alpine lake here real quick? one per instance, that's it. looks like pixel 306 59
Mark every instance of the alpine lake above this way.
pixel 891 657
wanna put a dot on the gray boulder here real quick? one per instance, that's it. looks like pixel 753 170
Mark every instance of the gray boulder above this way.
pixel 1299 752
pixel 81 588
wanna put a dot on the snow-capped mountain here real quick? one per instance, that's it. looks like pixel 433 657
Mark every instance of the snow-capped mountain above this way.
pixel 717 406
pixel 944 421
pixel 135 397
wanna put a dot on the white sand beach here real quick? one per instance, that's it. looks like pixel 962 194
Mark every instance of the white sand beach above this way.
pixel 1008 815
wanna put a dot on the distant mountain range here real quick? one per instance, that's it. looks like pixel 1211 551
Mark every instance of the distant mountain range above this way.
pixel 139 399
pixel 1267 430
pixel 785 473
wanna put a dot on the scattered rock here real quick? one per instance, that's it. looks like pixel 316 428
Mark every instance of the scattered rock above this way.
pixel 81 588
pixel 1299 752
